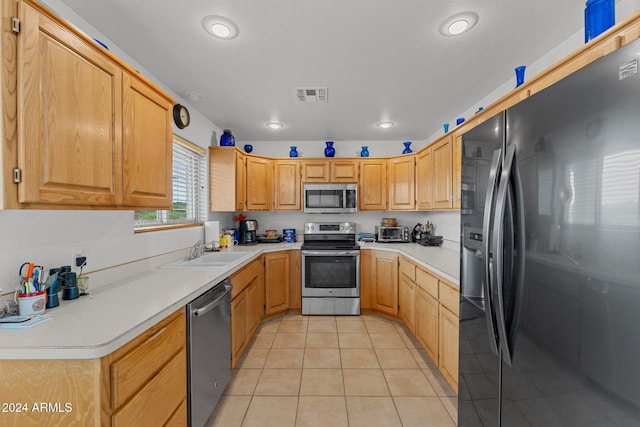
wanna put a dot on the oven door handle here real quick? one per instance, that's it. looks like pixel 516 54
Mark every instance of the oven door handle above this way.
pixel 331 253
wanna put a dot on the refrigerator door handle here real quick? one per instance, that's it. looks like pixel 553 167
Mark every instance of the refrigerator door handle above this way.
pixel 509 201
pixel 488 266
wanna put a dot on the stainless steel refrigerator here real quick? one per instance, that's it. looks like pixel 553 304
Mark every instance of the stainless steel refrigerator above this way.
pixel 550 255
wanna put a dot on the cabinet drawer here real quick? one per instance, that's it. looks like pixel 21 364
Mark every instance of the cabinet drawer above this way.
pixel 408 269
pixel 449 297
pixel 427 282
pixel 135 368
pixel 157 401
pixel 242 278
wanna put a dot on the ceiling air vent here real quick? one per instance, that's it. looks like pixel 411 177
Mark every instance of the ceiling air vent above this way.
pixel 311 94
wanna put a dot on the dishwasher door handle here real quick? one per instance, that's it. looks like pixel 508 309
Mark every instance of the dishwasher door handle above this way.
pixel 202 310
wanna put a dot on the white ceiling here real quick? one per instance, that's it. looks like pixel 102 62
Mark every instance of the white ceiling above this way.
pixel 382 60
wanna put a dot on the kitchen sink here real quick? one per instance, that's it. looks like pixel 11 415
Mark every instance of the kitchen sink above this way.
pixel 208 260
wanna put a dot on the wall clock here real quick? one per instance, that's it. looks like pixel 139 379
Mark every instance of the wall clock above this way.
pixel 181 116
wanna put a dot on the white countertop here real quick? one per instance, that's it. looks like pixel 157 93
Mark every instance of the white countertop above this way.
pixel 116 312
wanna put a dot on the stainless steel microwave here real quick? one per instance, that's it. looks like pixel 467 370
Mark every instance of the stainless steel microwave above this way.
pixel 330 198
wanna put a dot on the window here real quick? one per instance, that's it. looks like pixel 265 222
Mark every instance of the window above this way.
pixel 188 190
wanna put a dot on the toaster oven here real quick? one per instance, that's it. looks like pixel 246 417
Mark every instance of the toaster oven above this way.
pixel 392 234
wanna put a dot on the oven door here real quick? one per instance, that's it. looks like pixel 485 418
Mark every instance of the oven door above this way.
pixel 330 273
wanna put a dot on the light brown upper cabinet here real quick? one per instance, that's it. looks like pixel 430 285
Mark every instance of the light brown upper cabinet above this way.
pixel 343 170
pixel 401 183
pixel 147 146
pixel 286 185
pixel 70 105
pixel 88 132
pixel 442 169
pixel 315 170
pixel 227 179
pixel 456 171
pixel 424 179
pixel 259 174
pixel 325 170
pixel 372 186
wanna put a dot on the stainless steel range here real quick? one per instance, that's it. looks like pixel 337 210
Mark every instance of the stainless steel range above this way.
pixel 330 269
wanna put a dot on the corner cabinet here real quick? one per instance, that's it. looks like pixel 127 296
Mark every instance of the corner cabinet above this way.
pixel 277 268
pixel 384 277
pixel 227 179
pixel 89 132
pixel 401 183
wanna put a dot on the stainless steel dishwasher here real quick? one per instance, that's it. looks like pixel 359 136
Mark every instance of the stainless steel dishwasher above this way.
pixel 208 351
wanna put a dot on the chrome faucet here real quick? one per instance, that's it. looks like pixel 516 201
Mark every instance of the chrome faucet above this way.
pixel 196 251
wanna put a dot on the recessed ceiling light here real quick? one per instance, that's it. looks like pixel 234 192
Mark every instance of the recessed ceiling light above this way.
pixel 385 125
pixel 275 125
pixel 458 27
pixel 220 27
pixel 458 23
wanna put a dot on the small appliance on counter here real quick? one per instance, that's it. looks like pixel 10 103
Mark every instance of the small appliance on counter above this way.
pixel 366 237
pixel 430 240
pixel 392 234
pixel 248 230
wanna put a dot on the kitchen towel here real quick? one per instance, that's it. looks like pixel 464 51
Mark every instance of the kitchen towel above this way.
pixel 211 232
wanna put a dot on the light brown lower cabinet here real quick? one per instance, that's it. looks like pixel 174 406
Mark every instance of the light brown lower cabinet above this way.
pixel 427 323
pixel 448 345
pixel 384 277
pixel 427 304
pixel 276 269
pixel 407 302
pixel 247 305
pixel 143 383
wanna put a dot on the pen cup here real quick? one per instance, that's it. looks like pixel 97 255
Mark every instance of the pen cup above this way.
pixel 30 304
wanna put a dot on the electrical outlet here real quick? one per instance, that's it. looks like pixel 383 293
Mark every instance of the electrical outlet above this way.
pixel 77 252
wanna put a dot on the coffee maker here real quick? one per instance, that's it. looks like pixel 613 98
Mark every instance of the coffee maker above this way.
pixel 248 229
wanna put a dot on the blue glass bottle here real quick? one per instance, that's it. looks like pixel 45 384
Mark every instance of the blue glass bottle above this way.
pixel 227 139
pixel 248 148
pixel 365 151
pixel 294 151
pixel 329 151
pixel 407 148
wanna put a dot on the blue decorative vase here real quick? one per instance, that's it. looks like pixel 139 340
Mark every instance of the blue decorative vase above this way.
pixel 407 148
pixel 248 148
pixel 294 151
pixel 520 75
pixel 365 151
pixel 227 139
pixel 329 151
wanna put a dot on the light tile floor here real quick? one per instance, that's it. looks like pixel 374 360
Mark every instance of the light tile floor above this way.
pixel 335 371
